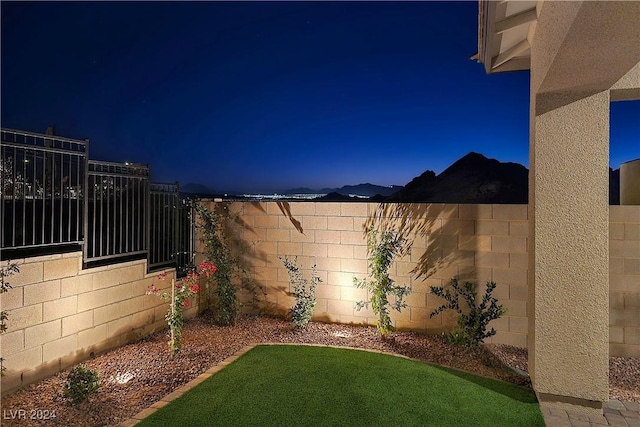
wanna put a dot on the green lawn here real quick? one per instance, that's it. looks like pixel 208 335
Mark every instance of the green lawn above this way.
pixel 319 386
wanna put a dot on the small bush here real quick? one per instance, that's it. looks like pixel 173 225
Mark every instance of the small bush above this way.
pixel 472 321
pixel 80 384
pixel 303 290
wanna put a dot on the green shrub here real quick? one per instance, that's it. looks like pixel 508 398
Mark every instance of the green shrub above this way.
pixel 80 384
pixel 472 320
pixel 382 253
pixel 303 290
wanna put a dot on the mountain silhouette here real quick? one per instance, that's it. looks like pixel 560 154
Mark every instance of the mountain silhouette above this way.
pixel 472 179
pixel 364 190
pixel 335 197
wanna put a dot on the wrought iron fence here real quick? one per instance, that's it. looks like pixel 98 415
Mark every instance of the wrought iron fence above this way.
pixel 53 195
pixel 171 243
pixel 117 206
pixel 42 179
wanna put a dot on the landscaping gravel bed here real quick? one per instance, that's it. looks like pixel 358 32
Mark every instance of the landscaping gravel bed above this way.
pixel 136 375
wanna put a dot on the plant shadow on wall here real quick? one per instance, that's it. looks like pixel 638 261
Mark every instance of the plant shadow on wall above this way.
pixel 285 208
pixel 252 255
pixel 421 226
pixel 441 244
pixel 272 307
pixel 220 230
pixel 447 241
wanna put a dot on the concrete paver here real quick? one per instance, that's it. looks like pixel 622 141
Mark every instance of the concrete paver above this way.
pixel 615 414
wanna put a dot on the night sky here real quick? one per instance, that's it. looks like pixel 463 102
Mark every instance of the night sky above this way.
pixel 269 96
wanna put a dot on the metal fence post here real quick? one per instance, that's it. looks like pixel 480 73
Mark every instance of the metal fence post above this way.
pixel 85 203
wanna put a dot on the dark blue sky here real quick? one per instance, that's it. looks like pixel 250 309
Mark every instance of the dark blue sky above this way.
pixel 268 96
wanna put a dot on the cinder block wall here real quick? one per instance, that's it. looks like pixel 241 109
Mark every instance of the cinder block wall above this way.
pixel 624 282
pixel 479 243
pixel 60 314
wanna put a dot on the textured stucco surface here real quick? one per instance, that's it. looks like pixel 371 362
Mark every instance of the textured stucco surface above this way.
pixel 628 87
pixel 579 52
pixel 585 46
pixel 554 20
pixel 570 249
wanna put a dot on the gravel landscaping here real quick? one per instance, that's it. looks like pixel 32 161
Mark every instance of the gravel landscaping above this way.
pixel 139 374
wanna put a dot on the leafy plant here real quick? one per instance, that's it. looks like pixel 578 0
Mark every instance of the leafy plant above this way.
pixel 472 320
pixel 179 300
pixel 10 269
pixel 80 384
pixel 303 290
pixel 382 252
pixel 218 251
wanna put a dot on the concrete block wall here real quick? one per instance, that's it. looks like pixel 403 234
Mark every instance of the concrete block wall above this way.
pixel 478 243
pixel 60 314
pixel 624 282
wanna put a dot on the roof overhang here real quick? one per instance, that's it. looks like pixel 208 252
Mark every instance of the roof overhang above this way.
pixel 505 32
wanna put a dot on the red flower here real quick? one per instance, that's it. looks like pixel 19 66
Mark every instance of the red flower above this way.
pixel 194 288
pixel 207 268
pixel 186 303
pixel 162 275
pixel 192 276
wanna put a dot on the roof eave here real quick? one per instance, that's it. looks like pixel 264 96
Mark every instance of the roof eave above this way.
pixel 496 55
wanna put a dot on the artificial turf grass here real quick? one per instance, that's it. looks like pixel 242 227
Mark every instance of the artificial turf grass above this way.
pixel 308 385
